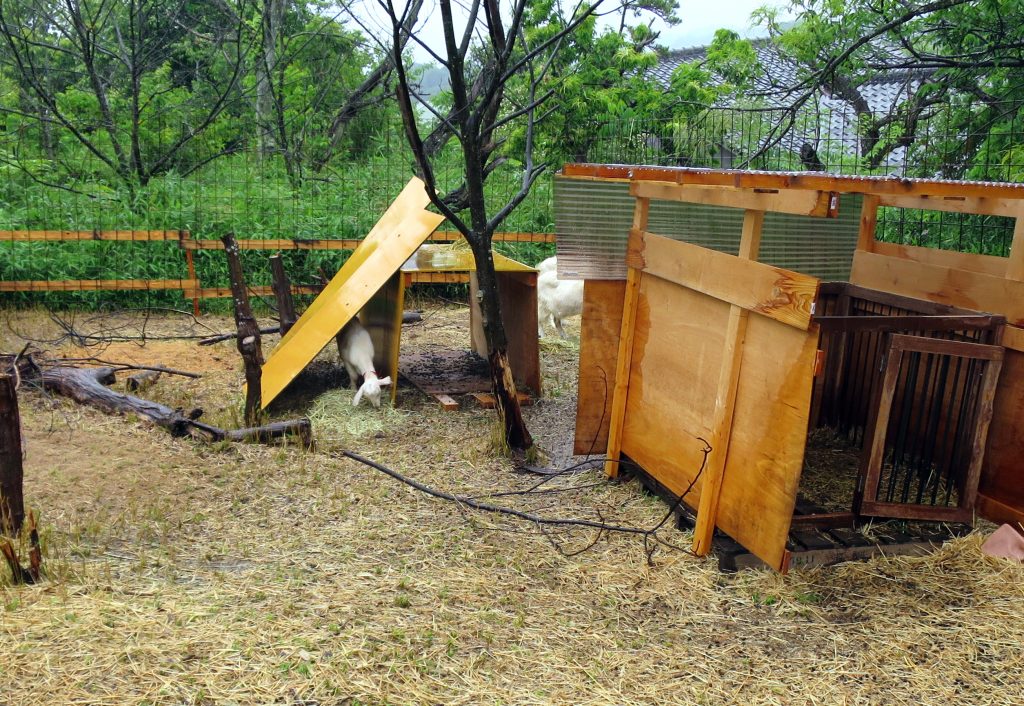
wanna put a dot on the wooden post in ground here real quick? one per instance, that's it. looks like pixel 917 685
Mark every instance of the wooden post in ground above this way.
pixel 12 499
pixel 248 332
pixel 283 292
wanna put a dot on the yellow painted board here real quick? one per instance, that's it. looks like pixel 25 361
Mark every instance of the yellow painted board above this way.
pixel 381 254
pixel 410 201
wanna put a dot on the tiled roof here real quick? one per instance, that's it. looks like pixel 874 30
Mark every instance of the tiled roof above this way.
pixel 837 126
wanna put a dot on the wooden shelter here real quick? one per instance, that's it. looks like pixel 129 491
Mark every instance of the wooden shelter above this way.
pixel 699 347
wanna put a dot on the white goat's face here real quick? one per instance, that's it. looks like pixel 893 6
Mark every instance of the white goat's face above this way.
pixel 370 389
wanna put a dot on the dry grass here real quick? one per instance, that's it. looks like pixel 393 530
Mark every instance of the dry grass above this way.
pixel 230 574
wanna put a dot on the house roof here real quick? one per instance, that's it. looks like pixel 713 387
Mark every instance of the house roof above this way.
pixel 837 125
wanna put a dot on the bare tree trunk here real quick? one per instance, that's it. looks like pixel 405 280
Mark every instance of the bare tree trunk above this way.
pixel 509 410
pixel 12 499
pixel 248 332
pixel 272 17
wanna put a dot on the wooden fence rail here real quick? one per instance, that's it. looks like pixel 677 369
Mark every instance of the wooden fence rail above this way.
pixel 192 286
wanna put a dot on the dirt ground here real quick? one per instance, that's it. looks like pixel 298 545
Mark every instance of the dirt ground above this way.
pixel 191 573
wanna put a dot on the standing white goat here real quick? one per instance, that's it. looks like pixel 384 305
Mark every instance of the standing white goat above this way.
pixel 356 350
pixel 557 299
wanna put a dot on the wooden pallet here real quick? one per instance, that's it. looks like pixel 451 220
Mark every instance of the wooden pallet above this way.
pixel 813 546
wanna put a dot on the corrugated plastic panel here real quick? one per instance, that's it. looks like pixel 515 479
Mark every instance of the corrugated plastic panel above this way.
pixel 592 221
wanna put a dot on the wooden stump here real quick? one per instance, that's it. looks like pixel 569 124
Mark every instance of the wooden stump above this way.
pixel 248 332
pixel 283 293
pixel 12 499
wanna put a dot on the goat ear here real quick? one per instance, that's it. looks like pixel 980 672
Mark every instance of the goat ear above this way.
pixel 386 380
pixel 359 396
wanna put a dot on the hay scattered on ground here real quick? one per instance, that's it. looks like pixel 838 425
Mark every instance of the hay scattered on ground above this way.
pixel 186 573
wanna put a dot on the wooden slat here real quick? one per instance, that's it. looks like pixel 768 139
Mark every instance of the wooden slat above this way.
pixel 906 323
pixel 803 203
pixel 448 403
pixel 624 358
pixel 725 397
pixel 73 235
pixel 1015 268
pixel 259 290
pixel 1013 338
pixel 347 243
pixel 980 205
pixel 93 285
pixel 868 223
pixel 440 277
pixel 274 244
pixel 972 262
pixel 779 294
pixel 940 346
pixel 797 180
pixel 946 285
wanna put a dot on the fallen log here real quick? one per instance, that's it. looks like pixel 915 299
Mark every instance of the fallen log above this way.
pixel 88 386
pixel 142 380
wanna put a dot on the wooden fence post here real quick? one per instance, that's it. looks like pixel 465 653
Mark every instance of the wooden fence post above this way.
pixel 283 292
pixel 248 332
pixel 12 499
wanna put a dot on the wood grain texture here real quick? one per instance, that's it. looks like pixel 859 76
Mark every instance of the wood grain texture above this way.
pixel 599 345
pixel 1001 486
pixel 773 292
pixel 971 290
pixel 801 203
pixel 981 205
pixel 972 262
pixel 868 222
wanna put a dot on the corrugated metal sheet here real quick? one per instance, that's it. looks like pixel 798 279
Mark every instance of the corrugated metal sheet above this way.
pixel 592 221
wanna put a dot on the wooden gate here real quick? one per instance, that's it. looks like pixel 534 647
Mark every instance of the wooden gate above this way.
pixel 928 427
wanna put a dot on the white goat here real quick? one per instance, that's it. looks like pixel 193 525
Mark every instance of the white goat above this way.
pixel 557 299
pixel 356 350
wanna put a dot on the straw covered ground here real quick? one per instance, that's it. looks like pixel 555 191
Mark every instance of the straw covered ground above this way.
pixel 190 573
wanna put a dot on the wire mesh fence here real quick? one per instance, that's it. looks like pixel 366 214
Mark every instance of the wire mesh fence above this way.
pixel 59 186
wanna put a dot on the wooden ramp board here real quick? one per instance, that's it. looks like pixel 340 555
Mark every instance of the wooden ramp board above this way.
pixel 446 372
pixel 403 228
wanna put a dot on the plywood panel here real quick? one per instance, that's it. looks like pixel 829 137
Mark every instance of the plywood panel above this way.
pixel 677 355
pixel 972 262
pixel 1002 478
pixel 770 291
pixel 517 293
pixel 768 438
pixel 946 285
pixel 599 344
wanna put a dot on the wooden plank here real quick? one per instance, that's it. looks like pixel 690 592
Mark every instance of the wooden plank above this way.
pixel 725 396
pixel 875 432
pixel 1013 338
pixel 73 235
pixel 256 290
pixel 797 180
pixel 624 358
pixel 979 437
pixel 826 557
pixel 487 401
pixel 448 403
pixel 773 292
pixel 912 511
pixel 1015 268
pixel 996 511
pixel 439 277
pixel 899 301
pixel 93 285
pixel 802 203
pixel 275 244
pixel 973 262
pixel 868 222
pixel 941 346
pixel 972 290
pixel 599 344
pixel 333 243
pixel 907 323
pixel 980 205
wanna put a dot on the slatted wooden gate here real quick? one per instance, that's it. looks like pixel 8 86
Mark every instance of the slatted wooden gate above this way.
pixel 929 422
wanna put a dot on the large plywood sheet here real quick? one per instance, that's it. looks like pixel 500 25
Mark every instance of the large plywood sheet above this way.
pixel 769 434
pixel 1001 491
pixel 678 353
pixel 599 345
pixel 402 229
